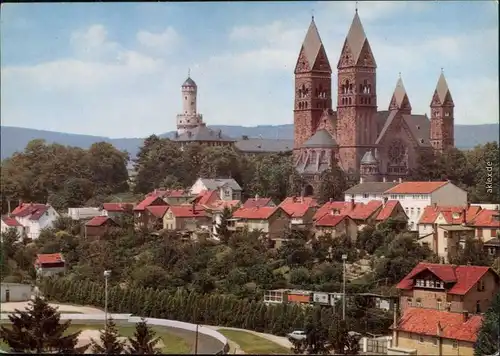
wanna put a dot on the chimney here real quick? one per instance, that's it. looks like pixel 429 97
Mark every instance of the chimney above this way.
pixel 435 205
pixel 332 212
pixel 465 314
pixel 256 196
pixel 385 201
pixel 439 329
pixel 193 208
pixel 384 179
pixel 400 180
pixel 294 199
pixel 464 217
pixel 330 200
pixel 351 205
pixel 468 206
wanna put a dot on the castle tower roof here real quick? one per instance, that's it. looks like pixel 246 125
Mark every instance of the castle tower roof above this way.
pixel 189 83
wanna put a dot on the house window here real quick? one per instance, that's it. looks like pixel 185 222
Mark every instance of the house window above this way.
pixel 491 250
pixel 420 339
pixel 435 341
pixel 493 233
pixel 455 344
pixel 418 211
pixel 227 192
pixel 410 302
pixel 366 196
pixel 478 307
pixel 480 286
pixel 439 304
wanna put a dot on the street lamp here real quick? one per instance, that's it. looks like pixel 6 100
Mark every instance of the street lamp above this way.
pixel 107 273
pixel 344 258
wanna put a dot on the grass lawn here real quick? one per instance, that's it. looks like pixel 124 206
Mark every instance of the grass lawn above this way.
pixel 253 344
pixel 173 344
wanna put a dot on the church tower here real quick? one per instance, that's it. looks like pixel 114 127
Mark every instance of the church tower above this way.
pixel 400 101
pixel 442 117
pixel 313 83
pixel 189 119
pixel 356 98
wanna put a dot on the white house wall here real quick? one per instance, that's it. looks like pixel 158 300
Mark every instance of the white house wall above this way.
pixel 449 195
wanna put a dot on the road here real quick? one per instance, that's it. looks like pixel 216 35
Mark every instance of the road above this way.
pixel 206 344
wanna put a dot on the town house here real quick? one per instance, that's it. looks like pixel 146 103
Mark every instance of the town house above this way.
pixel 448 287
pixel 367 191
pixel 117 210
pixel 186 218
pixel 301 211
pixel 416 196
pixel 34 217
pixel 143 217
pixel 47 265
pixel 333 226
pixel 486 224
pixel 258 202
pixel 216 210
pixel 435 215
pixel 173 196
pixel 227 188
pixel 274 222
pixel 99 226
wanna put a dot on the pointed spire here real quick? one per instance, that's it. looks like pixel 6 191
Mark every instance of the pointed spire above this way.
pixel 312 43
pixel 442 88
pixel 356 37
pixel 400 98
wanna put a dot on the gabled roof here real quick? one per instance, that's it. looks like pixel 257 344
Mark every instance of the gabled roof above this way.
pixel 298 206
pixel 342 208
pixel 220 205
pixel 117 207
pixel 363 211
pixel 420 128
pixel 371 187
pixel 99 221
pixel 148 201
pixel 463 277
pixel 187 211
pixel 33 210
pixel 321 139
pixel 416 187
pixel 388 209
pixel 329 220
pixel 214 184
pixel 206 197
pixel 49 258
pixel 257 213
pixel 486 218
pixel 450 325
pixel 451 214
pixel 158 210
pixel 10 221
pixel 312 44
pixel 256 202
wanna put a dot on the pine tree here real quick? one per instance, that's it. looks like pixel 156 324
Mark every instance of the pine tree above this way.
pixel 222 231
pixel 488 338
pixel 38 329
pixel 144 341
pixel 110 343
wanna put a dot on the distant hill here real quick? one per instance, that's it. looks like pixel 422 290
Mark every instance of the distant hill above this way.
pixel 15 138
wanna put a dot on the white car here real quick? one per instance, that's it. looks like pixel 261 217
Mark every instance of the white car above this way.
pixel 297 335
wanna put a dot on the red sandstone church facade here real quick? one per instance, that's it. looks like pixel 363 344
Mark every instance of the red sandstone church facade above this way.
pixel 374 144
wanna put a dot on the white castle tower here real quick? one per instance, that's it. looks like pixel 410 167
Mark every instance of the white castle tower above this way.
pixel 189 119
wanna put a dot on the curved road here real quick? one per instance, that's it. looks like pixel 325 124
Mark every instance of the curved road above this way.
pixel 206 344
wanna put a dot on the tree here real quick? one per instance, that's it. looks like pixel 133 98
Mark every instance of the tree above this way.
pixel 472 253
pixel 144 341
pixel 488 339
pixel 110 343
pixel 38 330
pixel 222 231
pixel 333 183
pixel 342 342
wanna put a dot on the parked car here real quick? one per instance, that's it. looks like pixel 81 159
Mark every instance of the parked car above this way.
pixel 297 335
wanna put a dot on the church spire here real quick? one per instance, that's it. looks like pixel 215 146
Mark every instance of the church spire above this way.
pixel 400 100
pixel 311 48
pixel 356 51
pixel 442 92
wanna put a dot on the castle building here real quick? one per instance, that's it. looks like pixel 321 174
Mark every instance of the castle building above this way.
pixel 364 141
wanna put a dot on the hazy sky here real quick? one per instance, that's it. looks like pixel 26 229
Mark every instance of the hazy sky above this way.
pixel 115 69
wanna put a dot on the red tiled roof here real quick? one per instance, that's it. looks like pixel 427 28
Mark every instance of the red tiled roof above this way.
pixel 298 206
pixel 256 202
pixel 117 207
pixel 187 211
pixel 364 211
pixel 158 210
pixel 206 197
pixel 99 221
pixel 387 210
pixel 486 218
pixel 34 209
pixel 219 205
pixel 49 258
pixel 150 200
pixel 415 187
pixel 464 277
pixel 257 213
pixel 10 221
pixel 341 206
pixel 451 325
pixel 330 220
pixel 431 213
pixel 171 193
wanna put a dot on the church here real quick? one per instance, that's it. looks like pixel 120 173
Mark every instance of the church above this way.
pixel 374 145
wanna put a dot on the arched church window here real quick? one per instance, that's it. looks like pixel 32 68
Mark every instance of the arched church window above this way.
pixel 350 101
pixel 305 104
pixel 446 114
pixel 350 88
pixel 369 88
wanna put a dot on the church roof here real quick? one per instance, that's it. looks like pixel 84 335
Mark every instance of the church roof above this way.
pixel 368 158
pixel 400 93
pixel 442 88
pixel 419 126
pixel 312 44
pixel 356 37
pixel 189 83
pixel 321 139
pixel 203 134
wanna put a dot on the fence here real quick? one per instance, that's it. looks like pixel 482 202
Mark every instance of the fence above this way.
pixel 376 346
pixel 128 318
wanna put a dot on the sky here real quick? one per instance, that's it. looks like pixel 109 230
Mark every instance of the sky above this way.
pixel 116 69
